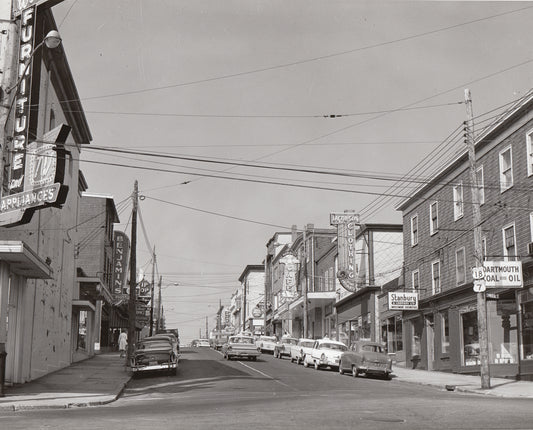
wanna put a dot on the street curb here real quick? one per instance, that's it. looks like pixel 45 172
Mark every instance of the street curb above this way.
pixel 70 405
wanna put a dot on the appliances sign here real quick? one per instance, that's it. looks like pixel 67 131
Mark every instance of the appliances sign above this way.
pixel 403 301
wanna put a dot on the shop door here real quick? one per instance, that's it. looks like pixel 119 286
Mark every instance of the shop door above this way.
pixel 430 337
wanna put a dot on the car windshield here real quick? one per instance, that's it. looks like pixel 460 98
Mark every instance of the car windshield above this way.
pixel 246 340
pixel 154 344
pixel 334 346
pixel 307 344
pixel 289 341
pixel 372 348
pixel 273 338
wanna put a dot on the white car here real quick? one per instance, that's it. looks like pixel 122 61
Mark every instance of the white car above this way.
pixel 267 343
pixel 203 343
pixel 301 349
pixel 325 353
pixel 283 347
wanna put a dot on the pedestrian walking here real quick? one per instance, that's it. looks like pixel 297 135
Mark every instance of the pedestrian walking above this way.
pixel 122 343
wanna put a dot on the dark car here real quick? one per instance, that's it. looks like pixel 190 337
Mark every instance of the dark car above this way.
pixel 283 347
pixel 241 347
pixel 365 357
pixel 154 354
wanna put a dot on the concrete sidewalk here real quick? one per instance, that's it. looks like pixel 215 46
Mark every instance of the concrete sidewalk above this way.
pixel 95 381
pixel 101 379
pixel 500 387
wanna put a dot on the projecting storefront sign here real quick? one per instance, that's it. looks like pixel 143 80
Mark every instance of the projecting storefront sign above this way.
pixel 35 170
pixel 403 301
pixel 347 224
pixel 500 274
pixel 120 262
pixel 290 276
pixel 20 5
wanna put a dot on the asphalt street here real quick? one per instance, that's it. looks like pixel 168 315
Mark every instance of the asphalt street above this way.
pixel 210 392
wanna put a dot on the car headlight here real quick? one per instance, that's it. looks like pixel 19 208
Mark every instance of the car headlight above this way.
pixel 229 348
pixel 323 357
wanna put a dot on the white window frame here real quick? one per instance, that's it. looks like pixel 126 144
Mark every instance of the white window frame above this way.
pixel 531 226
pixel 529 149
pixel 458 201
pixel 433 228
pixel 434 287
pixel 414 232
pixel 504 184
pixel 415 273
pixel 505 250
pixel 484 248
pixel 480 177
pixel 457 251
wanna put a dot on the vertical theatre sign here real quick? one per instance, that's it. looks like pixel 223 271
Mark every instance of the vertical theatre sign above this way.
pixel 290 276
pixel 121 250
pixel 35 169
pixel 347 224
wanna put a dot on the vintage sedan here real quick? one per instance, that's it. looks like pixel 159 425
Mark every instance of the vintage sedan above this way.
pixel 154 354
pixel 283 347
pixel 241 347
pixel 266 343
pixel 365 357
pixel 301 349
pixel 325 353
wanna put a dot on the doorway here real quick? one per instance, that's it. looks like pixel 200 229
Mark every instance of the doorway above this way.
pixel 430 338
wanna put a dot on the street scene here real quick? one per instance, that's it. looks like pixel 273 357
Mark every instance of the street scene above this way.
pixel 306 214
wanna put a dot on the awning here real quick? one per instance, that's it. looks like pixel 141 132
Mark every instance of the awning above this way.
pixel 92 288
pixel 83 304
pixel 23 261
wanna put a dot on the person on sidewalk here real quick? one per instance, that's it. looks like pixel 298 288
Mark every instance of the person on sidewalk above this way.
pixel 122 343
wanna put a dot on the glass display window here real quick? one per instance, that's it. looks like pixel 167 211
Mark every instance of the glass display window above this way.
pixel 470 339
pixel 527 331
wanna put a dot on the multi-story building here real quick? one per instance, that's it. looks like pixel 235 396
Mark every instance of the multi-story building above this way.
pixel 94 312
pixel 252 281
pixel 439 254
pixel 378 260
pixel 37 267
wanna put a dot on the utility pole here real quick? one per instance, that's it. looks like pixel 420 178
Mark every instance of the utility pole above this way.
pixel 152 297
pixel 133 272
pixel 306 329
pixel 244 306
pixel 206 328
pixel 158 323
pixel 478 247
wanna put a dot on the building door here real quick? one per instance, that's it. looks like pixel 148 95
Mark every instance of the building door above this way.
pixel 430 338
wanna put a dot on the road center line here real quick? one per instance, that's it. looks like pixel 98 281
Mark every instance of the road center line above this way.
pixel 265 375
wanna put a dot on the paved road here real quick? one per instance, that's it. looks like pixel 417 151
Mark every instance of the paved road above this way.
pixel 210 392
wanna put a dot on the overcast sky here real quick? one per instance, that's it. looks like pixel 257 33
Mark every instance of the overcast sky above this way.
pixel 257 82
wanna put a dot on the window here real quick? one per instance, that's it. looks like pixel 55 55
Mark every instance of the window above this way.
pixel 416 280
pixel 435 277
pixel 506 169
pixel 529 139
pixel 484 249
pixel 458 204
pixel 445 337
pixel 433 218
pixel 414 230
pixel 460 266
pixel 480 184
pixel 531 226
pixel 509 243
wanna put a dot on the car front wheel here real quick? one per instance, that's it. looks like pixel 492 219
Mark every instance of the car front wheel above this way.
pixel 340 368
pixel 306 364
pixel 316 365
pixel 355 372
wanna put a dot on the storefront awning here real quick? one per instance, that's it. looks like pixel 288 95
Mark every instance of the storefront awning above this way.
pixel 83 304
pixel 92 288
pixel 23 261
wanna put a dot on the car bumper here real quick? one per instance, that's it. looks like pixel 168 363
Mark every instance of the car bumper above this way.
pixel 165 366
pixel 373 369
pixel 329 362
pixel 243 354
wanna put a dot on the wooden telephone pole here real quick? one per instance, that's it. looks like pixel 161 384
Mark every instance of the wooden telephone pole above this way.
pixel 152 295
pixel 133 272
pixel 478 247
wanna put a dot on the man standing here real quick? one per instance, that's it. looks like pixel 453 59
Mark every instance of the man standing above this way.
pixel 122 343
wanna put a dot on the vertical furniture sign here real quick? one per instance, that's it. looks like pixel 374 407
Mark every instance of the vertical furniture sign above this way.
pixel 22 101
pixel 347 224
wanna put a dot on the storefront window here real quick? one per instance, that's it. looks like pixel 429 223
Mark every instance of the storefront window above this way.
pixel 418 328
pixel 445 324
pixel 391 334
pixel 527 331
pixel 503 336
pixel 470 339
pixel 82 330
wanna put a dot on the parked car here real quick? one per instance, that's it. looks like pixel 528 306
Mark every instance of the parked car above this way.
pixel 266 343
pixel 283 347
pixel 325 353
pixel 365 357
pixel 154 354
pixel 175 341
pixel 203 343
pixel 241 347
pixel 301 349
pixel 219 341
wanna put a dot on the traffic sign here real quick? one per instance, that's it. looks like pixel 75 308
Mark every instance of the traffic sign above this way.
pixel 478 272
pixel 479 286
